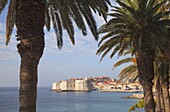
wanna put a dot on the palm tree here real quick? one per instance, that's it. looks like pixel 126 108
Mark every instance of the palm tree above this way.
pixel 142 23
pixel 165 44
pixel 128 72
pixel 162 70
pixel 162 83
pixel 30 17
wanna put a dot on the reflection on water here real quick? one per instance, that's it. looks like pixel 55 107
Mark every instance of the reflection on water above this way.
pixel 49 101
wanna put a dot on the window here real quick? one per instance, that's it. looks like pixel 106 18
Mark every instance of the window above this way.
pixel 112 87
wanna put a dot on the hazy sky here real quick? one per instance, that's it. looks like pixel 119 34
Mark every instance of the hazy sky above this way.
pixel 79 60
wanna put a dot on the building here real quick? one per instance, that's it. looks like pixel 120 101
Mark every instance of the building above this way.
pixel 56 86
pixel 67 85
pixel 95 84
pixel 77 84
pixel 83 85
pixel 101 79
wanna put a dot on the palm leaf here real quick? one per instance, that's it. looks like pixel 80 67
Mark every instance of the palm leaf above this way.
pixel 10 20
pixel 68 12
pixel 3 3
pixel 59 31
pixel 160 15
pixel 112 41
pixel 128 8
pixel 128 70
pixel 123 48
pixel 116 49
pixel 155 8
pixel 90 20
pixel 126 77
pixel 47 18
pixel 57 28
pixel 129 51
pixel 76 15
pixel 123 61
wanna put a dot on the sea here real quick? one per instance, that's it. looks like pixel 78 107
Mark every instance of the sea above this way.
pixel 51 101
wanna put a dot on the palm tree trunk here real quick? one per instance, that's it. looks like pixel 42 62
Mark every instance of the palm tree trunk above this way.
pixel 167 53
pixel 30 20
pixel 145 66
pixel 160 106
pixel 28 84
pixel 165 85
pixel 162 101
pixel 146 75
pixel 158 96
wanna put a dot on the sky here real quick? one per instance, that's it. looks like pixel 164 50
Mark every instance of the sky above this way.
pixel 75 61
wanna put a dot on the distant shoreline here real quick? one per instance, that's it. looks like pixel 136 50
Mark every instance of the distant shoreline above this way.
pixel 117 91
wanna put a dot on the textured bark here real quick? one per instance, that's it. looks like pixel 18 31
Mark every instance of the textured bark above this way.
pixel 167 53
pixel 146 75
pixel 162 101
pixel 30 20
pixel 166 99
pixel 164 80
pixel 28 84
pixel 145 60
pixel 160 106
pixel 158 97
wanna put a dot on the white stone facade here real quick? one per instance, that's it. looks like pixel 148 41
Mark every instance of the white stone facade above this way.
pixel 63 85
pixel 83 84
pixel 56 86
pixel 94 84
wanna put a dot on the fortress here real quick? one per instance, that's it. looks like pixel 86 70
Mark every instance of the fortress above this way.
pixel 95 84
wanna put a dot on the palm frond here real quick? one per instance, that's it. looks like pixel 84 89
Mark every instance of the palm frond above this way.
pixel 126 77
pixel 155 8
pixel 123 61
pixel 78 12
pixel 60 30
pixel 10 20
pixel 160 15
pixel 128 70
pixel 57 27
pixel 135 78
pixel 3 3
pixel 124 45
pixel 128 8
pixel 116 49
pixel 76 15
pixel 129 51
pixel 112 41
pixel 47 18
pixel 86 12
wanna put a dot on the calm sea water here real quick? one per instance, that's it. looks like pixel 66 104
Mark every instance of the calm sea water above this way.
pixel 50 101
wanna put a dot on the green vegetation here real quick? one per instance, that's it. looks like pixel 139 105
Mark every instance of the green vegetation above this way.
pixel 138 27
pixel 30 17
pixel 139 104
pixel 143 27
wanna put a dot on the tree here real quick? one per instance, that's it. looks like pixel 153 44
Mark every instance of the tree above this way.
pixel 128 72
pixel 30 16
pixel 144 25
pixel 162 83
